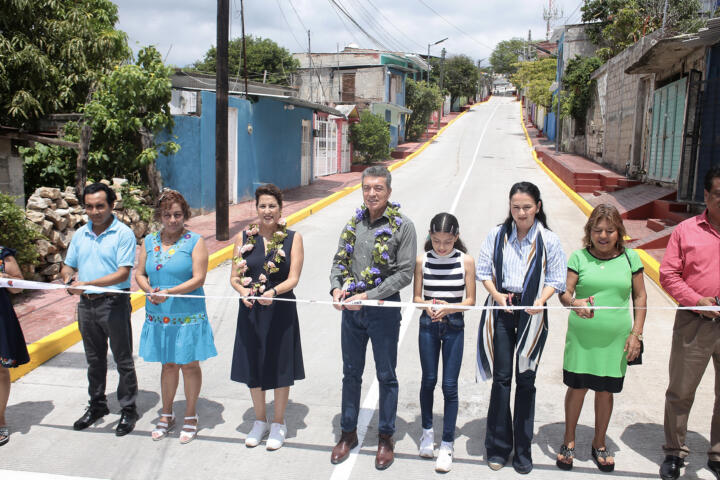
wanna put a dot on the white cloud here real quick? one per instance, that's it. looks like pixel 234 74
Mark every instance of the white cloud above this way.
pixel 184 29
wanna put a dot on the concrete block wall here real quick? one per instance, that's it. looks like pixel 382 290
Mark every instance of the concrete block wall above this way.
pixel 11 172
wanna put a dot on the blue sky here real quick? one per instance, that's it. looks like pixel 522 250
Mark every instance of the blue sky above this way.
pixel 183 30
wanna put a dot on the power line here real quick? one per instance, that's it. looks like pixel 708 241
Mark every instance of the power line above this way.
pixel 344 11
pixel 297 14
pixel 393 25
pixel 378 28
pixel 345 25
pixel 288 24
pixel 455 26
pixel 573 12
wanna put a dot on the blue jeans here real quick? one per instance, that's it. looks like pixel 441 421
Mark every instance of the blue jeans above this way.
pixel 503 430
pixel 380 325
pixel 433 338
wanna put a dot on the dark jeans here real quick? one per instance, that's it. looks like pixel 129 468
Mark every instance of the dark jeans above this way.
pixel 100 319
pixel 380 325
pixel 503 430
pixel 433 338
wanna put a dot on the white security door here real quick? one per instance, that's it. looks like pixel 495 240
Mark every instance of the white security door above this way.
pixel 345 149
pixel 232 155
pixel 305 152
pixel 325 148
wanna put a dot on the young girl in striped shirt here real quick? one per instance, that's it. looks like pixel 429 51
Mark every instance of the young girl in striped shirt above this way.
pixel 444 279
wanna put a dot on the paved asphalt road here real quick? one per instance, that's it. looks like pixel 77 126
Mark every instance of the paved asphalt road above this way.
pixel 468 170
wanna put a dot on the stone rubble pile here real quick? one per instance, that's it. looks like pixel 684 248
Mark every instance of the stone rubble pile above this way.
pixel 58 214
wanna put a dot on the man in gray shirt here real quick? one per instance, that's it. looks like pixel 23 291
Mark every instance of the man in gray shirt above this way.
pixel 374 261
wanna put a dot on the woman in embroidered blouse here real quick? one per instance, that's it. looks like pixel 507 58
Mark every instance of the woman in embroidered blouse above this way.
pixel 521 263
pixel 176 331
pixel 13 351
pixel 267 354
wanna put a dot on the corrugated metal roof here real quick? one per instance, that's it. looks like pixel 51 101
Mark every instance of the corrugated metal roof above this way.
pixel 669 51
pixel 201 81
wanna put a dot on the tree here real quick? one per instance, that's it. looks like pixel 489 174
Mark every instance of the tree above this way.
pixel 536 78
pixel 506 55
pixel 262 54
pixel 614 25
pixel 128 108
pixel 52 52
pixel 422 100
pixel 460 77
pixel 578 87
pixel 370 137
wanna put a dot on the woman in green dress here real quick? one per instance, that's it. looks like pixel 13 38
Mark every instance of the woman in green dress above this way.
pixel 599 343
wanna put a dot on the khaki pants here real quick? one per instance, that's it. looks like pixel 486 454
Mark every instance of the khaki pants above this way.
pixel 694 342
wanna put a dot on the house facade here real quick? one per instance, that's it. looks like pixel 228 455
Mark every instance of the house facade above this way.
pixel 369 79
pixel 270 140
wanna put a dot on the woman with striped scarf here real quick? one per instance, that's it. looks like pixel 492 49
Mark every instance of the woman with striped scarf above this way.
pixel 521 263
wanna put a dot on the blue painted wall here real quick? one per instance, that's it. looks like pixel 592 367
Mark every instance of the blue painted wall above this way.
pixel 550 126
pixel 270 154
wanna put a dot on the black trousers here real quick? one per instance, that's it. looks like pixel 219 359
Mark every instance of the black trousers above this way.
pixel 101 319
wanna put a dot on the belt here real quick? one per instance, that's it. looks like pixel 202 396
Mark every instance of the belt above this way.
pixel 96 296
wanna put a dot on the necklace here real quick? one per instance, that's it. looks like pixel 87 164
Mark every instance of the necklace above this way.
pixel 371 276
pixel 273 257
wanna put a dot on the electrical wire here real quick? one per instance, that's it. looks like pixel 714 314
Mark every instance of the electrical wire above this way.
pixel 381 32
pixel 395 26
pixel 312 65
pixel 455 26
pixel 288 24
pixel 344 11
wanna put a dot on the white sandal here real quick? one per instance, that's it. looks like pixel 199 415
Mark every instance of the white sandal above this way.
pixel 188 436
pixel 162 428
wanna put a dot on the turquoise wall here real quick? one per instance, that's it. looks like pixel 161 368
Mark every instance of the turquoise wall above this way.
pixel 271 154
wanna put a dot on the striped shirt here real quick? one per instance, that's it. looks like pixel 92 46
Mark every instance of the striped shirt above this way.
pixel 444 276
pixel 516 257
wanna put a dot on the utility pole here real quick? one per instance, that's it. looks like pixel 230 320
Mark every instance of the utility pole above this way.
pixel 310 64
pixel 242 23
pixel 665 9
pixel 529 43
pixel 222 219
pixel 442 75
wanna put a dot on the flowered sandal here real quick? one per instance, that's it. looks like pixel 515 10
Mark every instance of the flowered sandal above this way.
pixel 597 454
pixel 162 428
pixel 4 435
pixel 568 454
pixel 189 432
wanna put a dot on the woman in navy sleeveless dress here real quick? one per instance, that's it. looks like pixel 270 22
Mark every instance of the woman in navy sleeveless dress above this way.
pixel 13 351
pixel 268 353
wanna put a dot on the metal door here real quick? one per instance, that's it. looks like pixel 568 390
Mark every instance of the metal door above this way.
pixel 666 138
pixel 325 148
pixel 345 149
pixel 305 153
pixel 709 153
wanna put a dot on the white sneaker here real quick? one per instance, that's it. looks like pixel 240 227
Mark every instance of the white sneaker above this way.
pixel 427 444
pixel 445 457
pixel 258 432
pixel 278 431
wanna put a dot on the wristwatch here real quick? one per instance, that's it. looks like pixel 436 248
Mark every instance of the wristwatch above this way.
pixel 638 335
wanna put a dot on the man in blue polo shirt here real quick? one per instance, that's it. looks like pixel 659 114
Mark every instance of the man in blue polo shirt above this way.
pixel 103 253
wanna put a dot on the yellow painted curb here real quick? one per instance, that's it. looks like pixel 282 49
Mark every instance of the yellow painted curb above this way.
pixel 652 266
pixel 56 343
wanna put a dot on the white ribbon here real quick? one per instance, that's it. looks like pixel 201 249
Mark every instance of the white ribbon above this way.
pixel 29 285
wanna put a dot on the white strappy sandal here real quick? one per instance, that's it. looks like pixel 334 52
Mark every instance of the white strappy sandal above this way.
pixel 187 436
pixel 162 428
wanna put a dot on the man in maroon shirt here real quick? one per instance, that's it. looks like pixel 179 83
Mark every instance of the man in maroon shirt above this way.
pixel 690 272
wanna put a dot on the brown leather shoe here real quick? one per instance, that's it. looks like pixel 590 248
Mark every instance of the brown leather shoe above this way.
pixel 348 441
pixel 385 456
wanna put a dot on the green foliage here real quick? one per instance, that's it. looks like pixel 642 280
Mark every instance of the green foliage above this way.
pixel 262 54
pixel 614 25
pixel 51 53
pixel 130 102
pixel 507 54
pixel 578 86
pixel 17 231
pixel 460 77
pixel 370 137
pixel 422 100
pixel 50 165
pixel 536 77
